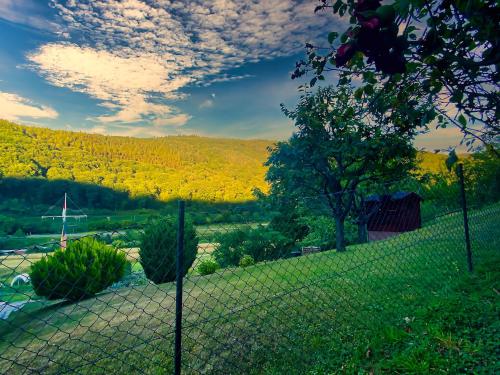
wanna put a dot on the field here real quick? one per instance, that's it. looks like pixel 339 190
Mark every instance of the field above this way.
pixel 404 305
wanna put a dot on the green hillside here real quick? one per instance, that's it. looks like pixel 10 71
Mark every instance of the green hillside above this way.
pixel 198 168
pixel 208 169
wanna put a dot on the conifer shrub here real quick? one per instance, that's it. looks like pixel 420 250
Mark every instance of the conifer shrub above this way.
pixel 158 248
pixel 83 269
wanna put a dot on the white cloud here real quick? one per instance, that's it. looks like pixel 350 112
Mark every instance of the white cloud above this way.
pixel 208 103
pixel 126 84
pixel 157 130
pixel 29 13
pixel 14 108
pixel 176 120
pixel 135 56
pixel 226 78
pixel 98 129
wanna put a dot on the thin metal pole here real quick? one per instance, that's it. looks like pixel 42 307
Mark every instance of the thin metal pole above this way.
pixel 178 294
pixel 460 171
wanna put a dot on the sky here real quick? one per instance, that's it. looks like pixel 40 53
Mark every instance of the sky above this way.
pixel 150 68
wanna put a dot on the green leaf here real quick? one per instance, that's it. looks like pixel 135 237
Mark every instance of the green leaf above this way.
pixel 342 10
pixel 313 81
pixel 369 77
pixel 403 7
pixel 386 13
pixel 462 121
pixel 358 93
pixel 337 6
pixel 368 89
pixel 332 36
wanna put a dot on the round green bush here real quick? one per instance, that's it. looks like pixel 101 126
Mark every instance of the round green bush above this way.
pixel 246 261
pixel 83 269
pixel 261 243
pixel 207 267
pixel 158 249
pixel 230 247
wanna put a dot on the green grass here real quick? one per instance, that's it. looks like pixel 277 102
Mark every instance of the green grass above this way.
pixel 404 305
pixel 10 266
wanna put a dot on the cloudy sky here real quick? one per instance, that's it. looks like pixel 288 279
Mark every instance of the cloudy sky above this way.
pixel 158 67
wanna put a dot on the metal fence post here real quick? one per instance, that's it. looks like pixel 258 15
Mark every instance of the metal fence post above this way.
pixel 460 171
pixel 178 295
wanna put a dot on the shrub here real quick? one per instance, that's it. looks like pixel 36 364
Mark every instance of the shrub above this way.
pixel 261 244
pixel 106 238
pixel 8 225
pixel 288 222
pixel 119 244
pixel 266 244
pixel 246 261
pixel 83 269
pixel 322 232
pixel 158 249
pixel 208 267
pixel 229 248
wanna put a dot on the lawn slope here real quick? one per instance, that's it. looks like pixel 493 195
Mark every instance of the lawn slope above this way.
pixel 376 307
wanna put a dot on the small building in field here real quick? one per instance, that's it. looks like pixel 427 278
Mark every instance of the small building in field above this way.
pixel 390 215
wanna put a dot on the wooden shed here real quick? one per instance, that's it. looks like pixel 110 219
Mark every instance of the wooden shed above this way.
pixel 390 215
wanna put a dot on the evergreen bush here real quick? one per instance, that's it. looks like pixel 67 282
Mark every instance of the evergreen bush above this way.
pixel 83 269
pixel 158 249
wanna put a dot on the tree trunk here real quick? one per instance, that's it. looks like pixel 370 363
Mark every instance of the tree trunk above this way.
pixel 339 234
pixel 362 232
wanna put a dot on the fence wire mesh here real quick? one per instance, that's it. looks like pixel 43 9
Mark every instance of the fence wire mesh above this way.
pixel 255 300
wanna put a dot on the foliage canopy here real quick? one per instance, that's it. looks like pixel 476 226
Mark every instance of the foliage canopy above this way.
pixel 335 150
pixel 448 48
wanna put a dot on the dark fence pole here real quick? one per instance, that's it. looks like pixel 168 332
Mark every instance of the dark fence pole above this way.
pixel 460 171
pixel 178 294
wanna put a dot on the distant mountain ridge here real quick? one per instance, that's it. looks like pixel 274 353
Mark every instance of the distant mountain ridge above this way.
pixel 200 168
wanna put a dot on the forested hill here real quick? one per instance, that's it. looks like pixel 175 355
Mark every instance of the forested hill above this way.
pixel 207 169
pixel 198 168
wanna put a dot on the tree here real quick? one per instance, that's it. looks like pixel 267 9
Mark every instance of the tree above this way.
pixel 335 150
pixel 451 48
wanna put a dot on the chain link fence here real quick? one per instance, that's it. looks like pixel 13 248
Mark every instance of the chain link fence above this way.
pixel 237 294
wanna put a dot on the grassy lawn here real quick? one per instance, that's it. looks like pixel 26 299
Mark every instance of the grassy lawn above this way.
pixel 404 305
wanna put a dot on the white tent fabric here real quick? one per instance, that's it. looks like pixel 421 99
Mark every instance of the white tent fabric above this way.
pixel 21 279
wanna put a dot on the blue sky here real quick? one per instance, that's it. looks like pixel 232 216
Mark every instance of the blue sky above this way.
pixel 150 68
